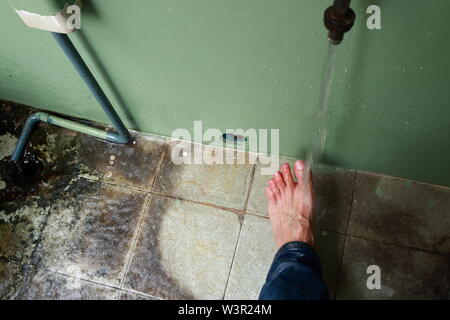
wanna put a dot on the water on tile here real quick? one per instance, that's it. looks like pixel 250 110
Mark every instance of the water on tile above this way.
pixel 404 273
pixel 401 212
pixel 90 230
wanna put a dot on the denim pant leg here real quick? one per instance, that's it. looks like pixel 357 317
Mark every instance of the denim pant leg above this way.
pixel 295 274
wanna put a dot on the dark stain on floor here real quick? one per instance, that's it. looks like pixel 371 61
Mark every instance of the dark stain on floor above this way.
pixel 402 212
pixel 65 223
pixel 24 208
pixel 147 274
pixel 131 165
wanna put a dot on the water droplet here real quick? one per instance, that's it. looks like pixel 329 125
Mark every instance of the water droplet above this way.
pixel 345 70
pixel 421 67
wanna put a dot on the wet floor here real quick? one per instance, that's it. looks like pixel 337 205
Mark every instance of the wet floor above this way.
pixel 105 221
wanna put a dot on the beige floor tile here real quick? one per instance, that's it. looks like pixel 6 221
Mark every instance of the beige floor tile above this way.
pixel 254 254
pixel 256 250
pixel 223 185
pixel 184 250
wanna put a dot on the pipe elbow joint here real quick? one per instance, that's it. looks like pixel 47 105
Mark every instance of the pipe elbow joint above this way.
pixel 117 138
pixel 35 118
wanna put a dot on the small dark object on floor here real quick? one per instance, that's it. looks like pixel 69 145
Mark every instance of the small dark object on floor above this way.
pixel 25 172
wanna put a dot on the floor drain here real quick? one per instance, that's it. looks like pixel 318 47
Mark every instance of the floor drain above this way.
pixel 234 138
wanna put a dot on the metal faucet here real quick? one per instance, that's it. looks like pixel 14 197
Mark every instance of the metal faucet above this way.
pixel 338 19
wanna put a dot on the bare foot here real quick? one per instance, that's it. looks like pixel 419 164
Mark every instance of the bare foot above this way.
pixel 291 205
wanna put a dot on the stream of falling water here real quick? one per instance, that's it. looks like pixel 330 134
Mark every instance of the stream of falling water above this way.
pixel 320 131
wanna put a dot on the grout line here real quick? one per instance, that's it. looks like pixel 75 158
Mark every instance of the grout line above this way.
pixel 332 231
pixel 233 257
pixel 82 279
pixel 341 257
pixel 350 209
pixel 400 246
pixel 385 176
pixel 250 188
pixel 207 204
pixel 134 243
pixel 339 271
pixel 112 183
pixel 140 294
pixel 256 215
pixel 158 168
pixel 119 290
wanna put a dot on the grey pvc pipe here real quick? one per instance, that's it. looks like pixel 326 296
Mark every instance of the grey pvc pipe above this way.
pixel 121 136
pixel 32 120
pixel 25 135
pixel 74 57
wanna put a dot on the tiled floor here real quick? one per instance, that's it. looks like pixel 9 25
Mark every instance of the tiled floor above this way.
pixel 123 222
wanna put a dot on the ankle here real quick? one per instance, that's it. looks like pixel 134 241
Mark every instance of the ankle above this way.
pixel 305 234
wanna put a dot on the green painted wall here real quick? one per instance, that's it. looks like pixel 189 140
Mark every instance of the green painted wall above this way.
pixel 42 7
pixel 253 64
